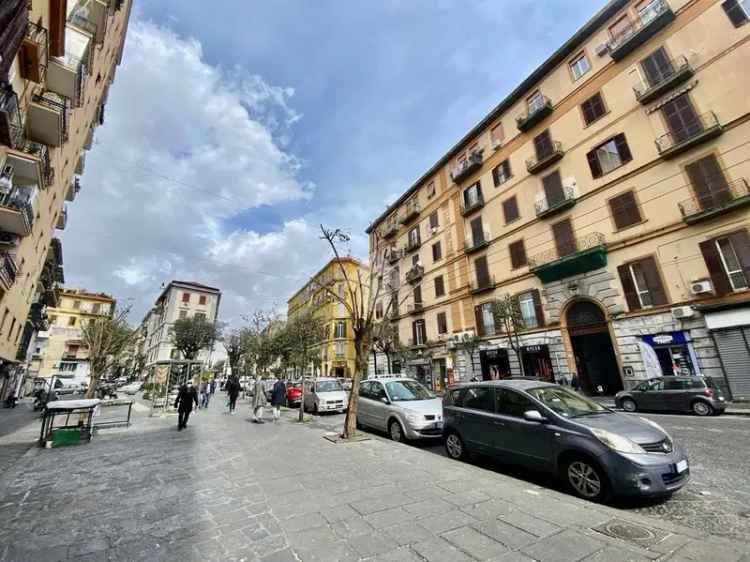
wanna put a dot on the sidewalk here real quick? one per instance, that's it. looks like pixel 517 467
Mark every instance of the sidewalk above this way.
pixel 229 490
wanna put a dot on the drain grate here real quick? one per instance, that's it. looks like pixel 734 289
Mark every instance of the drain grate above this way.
pixel 631 532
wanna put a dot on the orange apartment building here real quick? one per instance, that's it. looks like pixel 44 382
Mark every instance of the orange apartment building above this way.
pixel 608 194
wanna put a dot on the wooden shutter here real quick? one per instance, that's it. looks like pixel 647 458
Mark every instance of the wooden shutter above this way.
pixel 442 323
pixel 538 307
pixel 596 168
pixel 564 239
pixel 657 66
pixel 496 175
pixel 735 13
pixel 653 281
pixel 593 108
pixel 477 232
pixel 715 267
pixel 417 295
pixel 741 244
pixel 553 189
pixel 622 148
pixel 483 272
pixel 439 286
pixel 543 144
pixel 708 181
pixel 58 14
pixel 434 219
pixel 501 173
pixel 625 210
pixel 414 333
pixel 437 251
pixel 681 118
pixel 517 254
pixel 478 320
pixel 510 209
pixel 628 287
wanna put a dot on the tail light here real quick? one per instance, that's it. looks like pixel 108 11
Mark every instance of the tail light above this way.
pixel 709 392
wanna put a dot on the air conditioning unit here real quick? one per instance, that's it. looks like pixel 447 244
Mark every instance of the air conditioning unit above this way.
pixel 701 287
pixel 680 312
pixel 602 49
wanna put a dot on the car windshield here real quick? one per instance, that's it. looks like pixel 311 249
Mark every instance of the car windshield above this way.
pixel 328 386
pixel 403 391
pixel 566 402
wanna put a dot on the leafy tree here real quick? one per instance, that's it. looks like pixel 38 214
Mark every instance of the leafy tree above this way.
pixel 191 335
pixel 261 349
pixel 106 339
pixel 468 343
pixel 507 314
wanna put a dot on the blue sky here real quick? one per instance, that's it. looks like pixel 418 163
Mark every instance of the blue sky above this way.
pixel 233 131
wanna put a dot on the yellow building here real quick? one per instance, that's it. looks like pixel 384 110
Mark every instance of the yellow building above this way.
pixel 608 194
pixel 337 356
pixel 57 62
pixel 60 348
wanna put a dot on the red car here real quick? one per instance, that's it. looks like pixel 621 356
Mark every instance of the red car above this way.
pixel 293 394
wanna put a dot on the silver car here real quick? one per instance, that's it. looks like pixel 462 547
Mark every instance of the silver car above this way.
pixel 400 406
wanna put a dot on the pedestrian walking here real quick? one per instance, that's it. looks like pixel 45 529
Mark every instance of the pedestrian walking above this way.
pixel 203 394
pixel 259 400
pixel 278 398
pixel 233 390
pixel 214 384
pixel 574 382
pixel 184 404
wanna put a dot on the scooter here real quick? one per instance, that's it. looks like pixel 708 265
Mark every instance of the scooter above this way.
pixel 41 397
pixel 105 391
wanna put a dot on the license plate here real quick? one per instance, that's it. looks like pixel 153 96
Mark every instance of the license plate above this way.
pixel 681 466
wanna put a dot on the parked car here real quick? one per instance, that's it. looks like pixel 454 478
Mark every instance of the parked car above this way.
pixel 346 383
pixel 401 406
pixel 698 395
pixel 131 388
pixel 595 451
pixel 293 394
pixel 325 395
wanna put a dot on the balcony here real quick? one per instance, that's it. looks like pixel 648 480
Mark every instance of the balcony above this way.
pixel 482 285
pixel 537 163
pixel 415 274
pixel 32 58
pixel 704 128
pixel 388 230
pixel 38 316
pixel 90 16
pixel 411 211
pixel 81 164
pixel 47 119
pixel 66 75
pixel 11 125
pixel 393 255
pixel 31 164
pixel 89 142
pixel 647 91
pixel 8 270
pixel 73 188
pixel 732 196
pixel 471 206
pixel 412 245
pixel 467 167
pixel 17 210
pixel 474 244
pixel 582 254
pixel 414 308
pixel 534 115
pixel 62 219
pixel 644 28
pixel 545 208
pixel 417 343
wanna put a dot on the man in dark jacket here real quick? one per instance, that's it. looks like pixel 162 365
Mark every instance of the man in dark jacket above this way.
pixel 278 398
pixel 233 390
pixel 184 404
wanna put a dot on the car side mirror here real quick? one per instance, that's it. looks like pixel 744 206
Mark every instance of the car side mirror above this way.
pixel 534 416
pixel 385 400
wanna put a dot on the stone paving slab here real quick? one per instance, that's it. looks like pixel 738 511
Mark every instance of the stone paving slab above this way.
pixel 229 490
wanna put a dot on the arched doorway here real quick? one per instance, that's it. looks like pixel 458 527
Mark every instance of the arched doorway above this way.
pixel 592 348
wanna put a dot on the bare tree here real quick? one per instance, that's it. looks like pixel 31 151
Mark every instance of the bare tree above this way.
pixel 106 339
pixel 234 344
pixel 258 341
pixel 385 340
pixel 468 343
pixel 507 314
pixel 301 339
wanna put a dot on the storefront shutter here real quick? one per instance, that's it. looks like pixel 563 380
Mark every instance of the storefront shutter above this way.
pixel 478 320
pixel 715 267
pixel 653 281
pixel 734 350
pixel 741 244
pixel 631 297
pixel 538 307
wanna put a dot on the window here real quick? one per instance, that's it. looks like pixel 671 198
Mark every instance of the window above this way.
pixel 414 237
pixel 183 314
pixel 72 321
pixel 418 334
pixel 728 261
pixel 619 27
pixel 649 9
pixel 535 102
pixel 202 299
pixel 517 252
pixel 439 286
pixel 340 331
pixel 530 305
pixel 431 190
pixel 415 260
pixel 708 183
pixel 501 173
pixel 12 325
pixel 379 310
pixel 442 323
pixel 18 333
pixel 565 241
pixel 682 120
pixel 553 189
pixel 76 304
pixel 543 144
pixel 738 11
pixel 579 66
pixel 479 398
pixel 434 219
pixel 185 297
pixel 608 156
pixel 510 403
pixel 5 317
pixel 472 195
pixel 485 319
pixel 200 316
pixel 657 67
pixel 497 135
pixel 417 295
pixel 95 308
pixel 593 108
pixel 642 284
pixel 482 271
pixel 624 209
pixel 510 210
pixel 477 232
pixel 339 348
pixel 437 252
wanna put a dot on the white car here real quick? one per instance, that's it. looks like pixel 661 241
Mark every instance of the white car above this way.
pixel 325 395
pixel 131 388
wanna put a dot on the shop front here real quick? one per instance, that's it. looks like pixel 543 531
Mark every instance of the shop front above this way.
pixel 668 354
pixel 537 362
pixel 730 328
pixel 495 364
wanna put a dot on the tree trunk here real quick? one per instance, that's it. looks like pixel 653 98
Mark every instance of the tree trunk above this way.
pixel 388 361
pixel 361 354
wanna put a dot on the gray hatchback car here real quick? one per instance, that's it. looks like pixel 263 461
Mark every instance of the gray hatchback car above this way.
pixel 698 395
pixel 595 451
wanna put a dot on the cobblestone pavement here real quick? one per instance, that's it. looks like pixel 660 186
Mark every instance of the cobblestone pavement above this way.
pixel 18 428
pixel 229 490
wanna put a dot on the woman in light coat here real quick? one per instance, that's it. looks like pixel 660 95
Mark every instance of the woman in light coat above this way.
pixel 259 400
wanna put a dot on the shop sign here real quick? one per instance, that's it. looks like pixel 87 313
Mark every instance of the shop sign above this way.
pixel 533 348
pixel 667 338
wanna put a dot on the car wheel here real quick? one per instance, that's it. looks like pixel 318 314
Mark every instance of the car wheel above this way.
pixel 700 408
pixel 629 405
pixel 454 446
pixel 396 432
pixel 586 479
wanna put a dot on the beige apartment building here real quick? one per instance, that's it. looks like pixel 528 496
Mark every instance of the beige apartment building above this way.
pixel 60 349
pixel 608 193
pixel 57 62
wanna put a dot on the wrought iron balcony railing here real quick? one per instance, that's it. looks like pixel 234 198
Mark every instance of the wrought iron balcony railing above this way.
pixel 414 307
pixel 479 285
pixel 476 243
pixel 544 207
pixel 468 207
pixel 538 111
pixel 723 198
pixel 676 73
pixel 56 103
pixel 414 274
pixel 8 270
pixel 412 244
pixel 411 211
pixel 539 162
pixel 575 245
pixel 389 229
pixel 393 255
pixel 705 127
pixel 472 163
pixel 657 16
pixel 41 152
pixel 34 53
pixel 20 201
